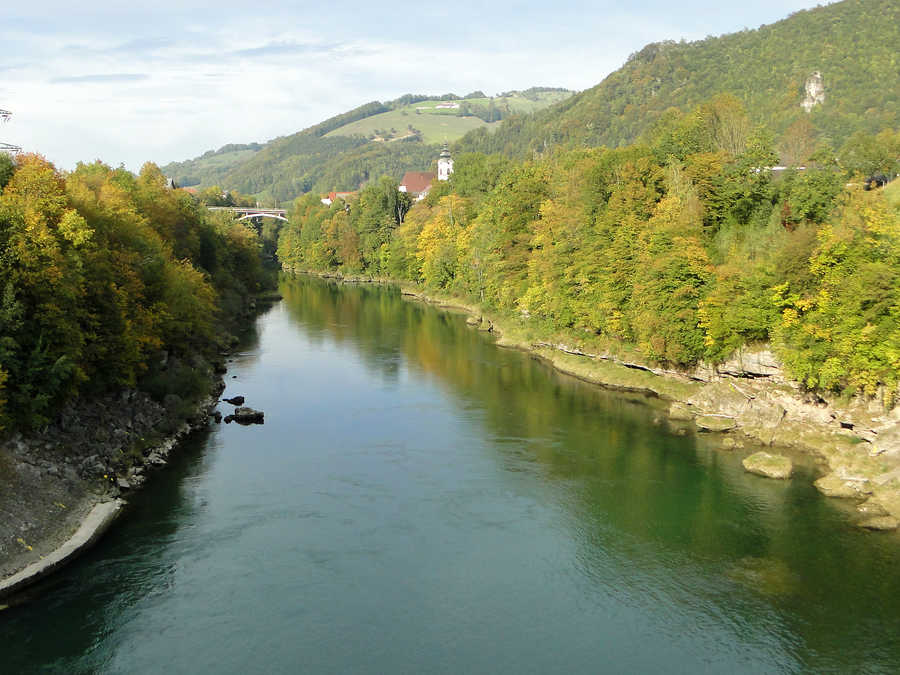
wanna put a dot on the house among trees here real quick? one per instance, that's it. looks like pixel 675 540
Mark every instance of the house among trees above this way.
pixel 330 198
pixel 416 183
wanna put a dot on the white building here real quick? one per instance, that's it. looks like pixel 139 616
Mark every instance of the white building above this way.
pixel 445 164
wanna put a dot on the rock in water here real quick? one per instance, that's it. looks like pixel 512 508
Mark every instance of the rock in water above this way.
pixel 235 400
pixel 768 465
pixel 833 485
pixel 248 416
pixel 680 411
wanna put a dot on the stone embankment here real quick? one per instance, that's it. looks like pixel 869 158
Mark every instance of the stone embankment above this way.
pixel 54 482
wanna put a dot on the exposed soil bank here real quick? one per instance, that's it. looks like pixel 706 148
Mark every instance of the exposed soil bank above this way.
pixel 857 442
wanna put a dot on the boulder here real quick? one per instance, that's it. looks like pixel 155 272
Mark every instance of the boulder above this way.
pixel 680 411
pixel 234 400
pixel 769 465
pixel 872 508
pixel 833 485
pixel 248 416
pixel 751 363
pixel 883 523
pixel 715 423
pixel 155 459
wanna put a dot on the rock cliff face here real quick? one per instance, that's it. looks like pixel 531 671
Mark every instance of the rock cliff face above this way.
pixel 815 91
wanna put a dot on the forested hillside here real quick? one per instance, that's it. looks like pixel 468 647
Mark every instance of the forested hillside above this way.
pixel 211 166
pixel 340 154
pixel 853 44
pixel 676 250
pixel 110 280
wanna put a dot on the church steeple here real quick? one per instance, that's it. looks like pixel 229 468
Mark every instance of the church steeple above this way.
pixel 445 164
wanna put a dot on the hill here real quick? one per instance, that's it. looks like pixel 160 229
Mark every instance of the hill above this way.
pixel 340 152
pixel 852 44
pixel 443 120
pixel 208 168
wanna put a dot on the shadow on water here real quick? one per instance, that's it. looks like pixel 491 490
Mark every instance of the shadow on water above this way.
pixel 672 510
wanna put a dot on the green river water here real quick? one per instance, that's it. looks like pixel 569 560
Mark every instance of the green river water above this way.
pixel 422 501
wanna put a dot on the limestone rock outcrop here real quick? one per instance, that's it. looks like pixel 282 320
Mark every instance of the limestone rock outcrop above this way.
pixel 769 465
pixel 815 91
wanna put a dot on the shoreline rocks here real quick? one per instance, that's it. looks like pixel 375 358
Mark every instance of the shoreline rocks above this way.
pixel 768 465
pixel 858 439
pixel 246 416
pixel 833 485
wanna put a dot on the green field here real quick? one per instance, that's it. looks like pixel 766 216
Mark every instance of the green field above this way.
pixel 434 128
pixel 443 125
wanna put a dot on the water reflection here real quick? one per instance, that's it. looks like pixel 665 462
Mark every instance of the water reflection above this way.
pixel 675 513
pixel 422 501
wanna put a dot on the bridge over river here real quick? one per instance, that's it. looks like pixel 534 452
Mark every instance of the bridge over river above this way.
pixel 250 213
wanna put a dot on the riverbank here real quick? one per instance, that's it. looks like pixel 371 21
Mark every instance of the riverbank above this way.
pixel 56 503
pixel 62 486
pixel 746 400
pixel 857 441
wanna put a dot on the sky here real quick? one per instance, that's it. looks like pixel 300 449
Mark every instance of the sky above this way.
pixel 133 82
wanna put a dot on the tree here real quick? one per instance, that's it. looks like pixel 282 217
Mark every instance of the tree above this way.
pixel 7 168
pixel 798 142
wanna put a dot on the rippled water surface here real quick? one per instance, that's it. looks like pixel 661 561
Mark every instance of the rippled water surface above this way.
pixel 420 500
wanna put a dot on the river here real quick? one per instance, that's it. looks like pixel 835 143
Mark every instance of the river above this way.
pixel 422 501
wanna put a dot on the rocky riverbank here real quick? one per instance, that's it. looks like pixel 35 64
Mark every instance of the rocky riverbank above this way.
pixel 55 481
pixel 95 452
pixel 857 442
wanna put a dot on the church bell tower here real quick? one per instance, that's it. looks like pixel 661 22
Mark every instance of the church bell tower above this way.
pixel 445 164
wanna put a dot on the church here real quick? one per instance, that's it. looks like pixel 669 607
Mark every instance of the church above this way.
pixel 418 183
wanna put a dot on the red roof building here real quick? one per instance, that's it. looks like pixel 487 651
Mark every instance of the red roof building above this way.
pixel 416 183
pixel 331 197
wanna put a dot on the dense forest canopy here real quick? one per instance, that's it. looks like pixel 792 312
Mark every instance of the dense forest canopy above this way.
pixel 105 275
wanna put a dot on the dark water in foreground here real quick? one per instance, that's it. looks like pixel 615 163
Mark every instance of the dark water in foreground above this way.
pixel 421 501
